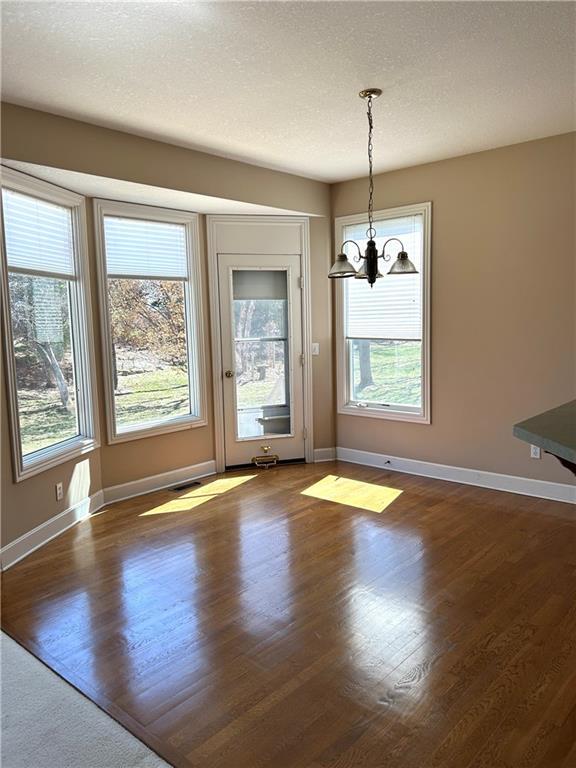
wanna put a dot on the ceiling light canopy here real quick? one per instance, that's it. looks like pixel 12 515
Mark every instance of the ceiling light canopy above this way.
pixel 368 270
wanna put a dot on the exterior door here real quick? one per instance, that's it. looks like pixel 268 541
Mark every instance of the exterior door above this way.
pixel 262 381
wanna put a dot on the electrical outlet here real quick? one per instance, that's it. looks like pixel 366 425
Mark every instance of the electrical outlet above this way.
pixel 534 452
pixel 59 491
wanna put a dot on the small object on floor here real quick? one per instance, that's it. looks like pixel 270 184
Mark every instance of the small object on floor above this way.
pixel 267 459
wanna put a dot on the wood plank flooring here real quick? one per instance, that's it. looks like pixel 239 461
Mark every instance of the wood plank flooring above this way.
pixel 248 625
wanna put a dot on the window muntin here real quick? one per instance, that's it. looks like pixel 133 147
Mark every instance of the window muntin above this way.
pixel 384 355
pixel 46 328
pixel 151 334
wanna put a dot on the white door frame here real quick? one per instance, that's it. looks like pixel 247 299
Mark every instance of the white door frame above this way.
pixel 214 226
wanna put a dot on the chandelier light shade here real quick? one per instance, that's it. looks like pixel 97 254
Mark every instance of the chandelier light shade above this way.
pixel 342 267
pixel 402 265
pixel 368 269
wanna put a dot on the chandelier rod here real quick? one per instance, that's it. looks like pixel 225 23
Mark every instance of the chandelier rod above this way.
pixel 357 246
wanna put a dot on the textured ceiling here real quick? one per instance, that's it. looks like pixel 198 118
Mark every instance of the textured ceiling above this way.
pixel 275 83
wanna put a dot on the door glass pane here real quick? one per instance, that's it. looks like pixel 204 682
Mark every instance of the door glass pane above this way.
pixel 260 312
pixel 44 357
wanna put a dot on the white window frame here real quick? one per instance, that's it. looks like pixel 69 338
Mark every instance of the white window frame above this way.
pixel 391 413
pixel 82 339
pixel 194 318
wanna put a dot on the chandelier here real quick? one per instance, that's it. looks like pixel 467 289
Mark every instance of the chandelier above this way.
pixel 369 269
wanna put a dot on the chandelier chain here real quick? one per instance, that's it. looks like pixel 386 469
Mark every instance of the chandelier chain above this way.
pixel 371 232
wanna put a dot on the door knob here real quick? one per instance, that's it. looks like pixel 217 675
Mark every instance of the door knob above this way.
pixel 228 374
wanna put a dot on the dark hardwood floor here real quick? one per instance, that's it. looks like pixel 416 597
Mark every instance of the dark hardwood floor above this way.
pixel 253 626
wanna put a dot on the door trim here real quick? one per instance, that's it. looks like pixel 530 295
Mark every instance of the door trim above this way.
pixel 212 225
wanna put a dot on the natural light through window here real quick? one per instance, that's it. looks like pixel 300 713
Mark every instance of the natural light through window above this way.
pixel 189 500
pixel 353 493
pixel 383 330
pixel 49 364
pixel 152 333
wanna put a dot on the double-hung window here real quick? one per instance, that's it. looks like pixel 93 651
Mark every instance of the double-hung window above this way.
pixel 383 330
pixel 46 303
pixel 150 295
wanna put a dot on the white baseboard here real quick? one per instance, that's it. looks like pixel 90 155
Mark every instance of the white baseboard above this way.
pixel 523 485
pixel 158 482
pixel 324 454
pixel 42 534
pixel 37 537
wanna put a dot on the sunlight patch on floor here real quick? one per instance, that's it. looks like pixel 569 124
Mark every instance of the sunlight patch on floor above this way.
pixel 188 500
pixel 353 493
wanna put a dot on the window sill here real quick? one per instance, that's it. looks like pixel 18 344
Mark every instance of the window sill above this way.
pixel 53 456
pixel 152 430
pixel 389 414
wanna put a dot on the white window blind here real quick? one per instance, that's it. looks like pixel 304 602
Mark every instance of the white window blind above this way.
pixel 392 308
pixel 38 234
pixel 148 249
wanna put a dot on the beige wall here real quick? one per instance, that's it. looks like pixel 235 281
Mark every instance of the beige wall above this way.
pixel 323 366
pixel 46 139
pixel 503 303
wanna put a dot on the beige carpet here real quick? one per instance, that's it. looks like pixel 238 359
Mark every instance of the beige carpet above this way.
pixel 47 724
